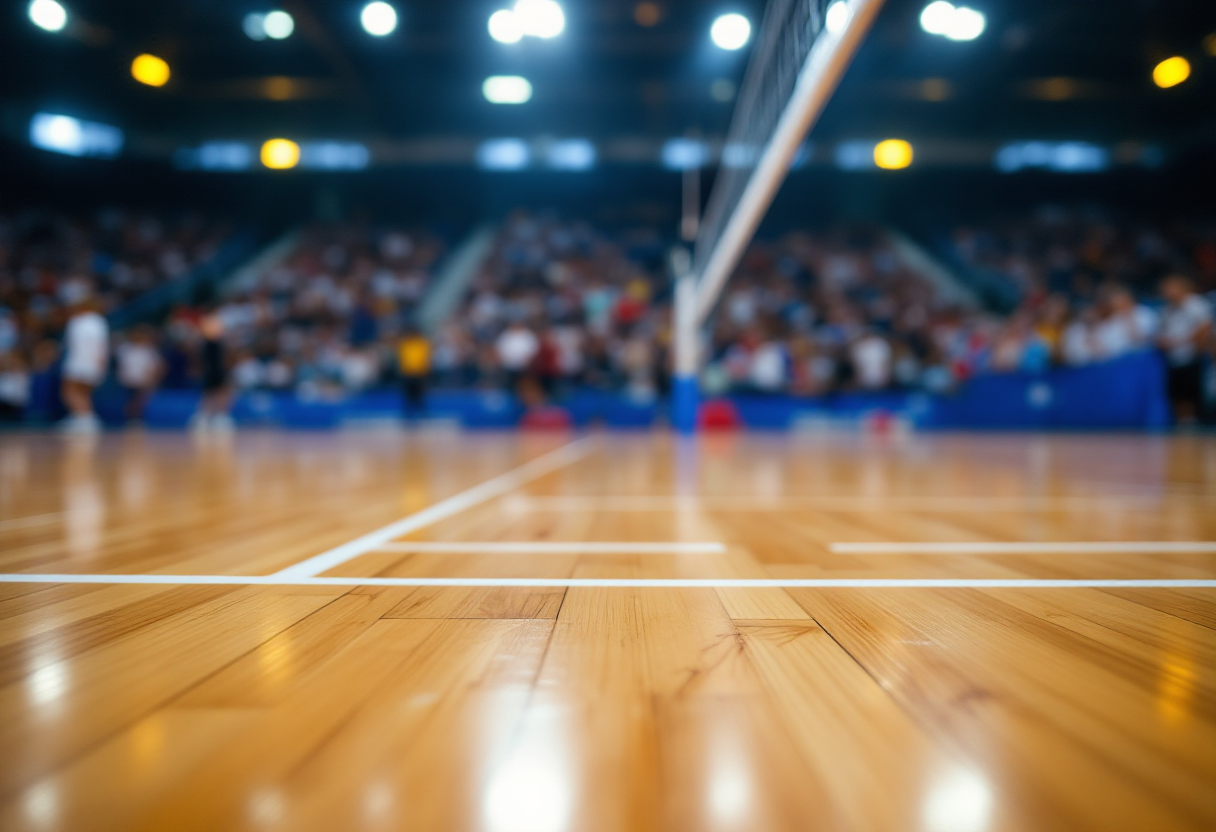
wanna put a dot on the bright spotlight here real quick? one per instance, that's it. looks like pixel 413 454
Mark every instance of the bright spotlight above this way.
pixel 730 32
pixel 893 154
pixel 48 15
pixel 378 19
pixel 278 25
pixel 505 27
pixel 540 18
pixel 956 23
pixel 1171 72
pixel 837 16
pixel 280 154
pixel 506 89
pixel 503 154
pixel 965 24
pixel 936 17
pixel 64 134
pixel 150 70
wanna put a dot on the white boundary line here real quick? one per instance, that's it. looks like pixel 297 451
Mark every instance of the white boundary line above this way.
pixel 749 502
pixel 1121 547
pixel 549 547
pixel 496 487
pixel 680 583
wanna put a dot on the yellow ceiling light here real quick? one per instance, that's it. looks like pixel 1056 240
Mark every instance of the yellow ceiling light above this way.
pixel 1171 72
pixel 280 154
pixel 150 70
pixel 893 154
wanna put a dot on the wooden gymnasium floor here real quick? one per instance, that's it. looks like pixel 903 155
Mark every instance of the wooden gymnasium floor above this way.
pixel 534 634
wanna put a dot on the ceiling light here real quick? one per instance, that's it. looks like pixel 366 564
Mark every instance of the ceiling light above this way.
pixel 935 19
pixel 683 154
pixel 505 27
pixel 956 23
pixel 64 134
pixel 893 154
pixel 1171 72
pixel 570 154
pixel 278 25
pixel 730 32
pixel 378 19
pixel 506 89
pixel 150 70
pixel 48 15
pixel 503 154
pixel 965 24
pixel 280 154
pixel 540 18
pixel 837 16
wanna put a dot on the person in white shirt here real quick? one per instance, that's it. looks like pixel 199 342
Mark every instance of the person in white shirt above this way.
pixel 86 357
pixel 871 355
pixel 139 369
pixel 516 347
pixel 1127 327
pixel 1186 324
pixel 767 372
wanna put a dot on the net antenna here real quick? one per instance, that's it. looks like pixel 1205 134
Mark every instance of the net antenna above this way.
pixel 801 53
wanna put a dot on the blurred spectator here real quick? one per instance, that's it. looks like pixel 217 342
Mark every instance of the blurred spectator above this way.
pixel 14 387
pixel 1186 326
pixel 1126 325
pixel 217 391
pixel 86 358
pixel 140 368
pixel 414 363
pixel 515 348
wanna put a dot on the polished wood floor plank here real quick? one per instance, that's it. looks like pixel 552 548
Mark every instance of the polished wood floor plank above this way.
pixel 553 709
pixel 407 671
pixel 488 602
pixel 871 757
pixel 280 665
pixel 1198 607
pixel 109 788
pixel 1062 726
pixel 64 706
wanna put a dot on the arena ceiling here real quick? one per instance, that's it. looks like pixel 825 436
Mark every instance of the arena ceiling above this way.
pixel 1043 69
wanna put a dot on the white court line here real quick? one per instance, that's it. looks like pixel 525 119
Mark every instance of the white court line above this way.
pixel 549 547
pixel 1120 547
pixel 678 583
pixel 32 520
pixel 496 487
pixel 877 503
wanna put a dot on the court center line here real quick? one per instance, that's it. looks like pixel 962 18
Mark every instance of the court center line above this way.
pixel 551 547
pixel 496 487
pixel 640 583
pixel 1120 547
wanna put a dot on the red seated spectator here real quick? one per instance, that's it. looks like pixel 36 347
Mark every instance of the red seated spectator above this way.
pixel 546 418
pixel 719 414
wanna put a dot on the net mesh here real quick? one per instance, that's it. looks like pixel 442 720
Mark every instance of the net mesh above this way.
pixel 789 29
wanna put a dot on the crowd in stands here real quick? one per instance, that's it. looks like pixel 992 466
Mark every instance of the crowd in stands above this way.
pixel 326 319
pixel 52 262
pixel 562 305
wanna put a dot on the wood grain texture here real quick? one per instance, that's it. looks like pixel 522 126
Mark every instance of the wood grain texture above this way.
pixel 520 709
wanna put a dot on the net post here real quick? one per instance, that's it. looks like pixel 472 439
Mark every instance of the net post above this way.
pixel 684 386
